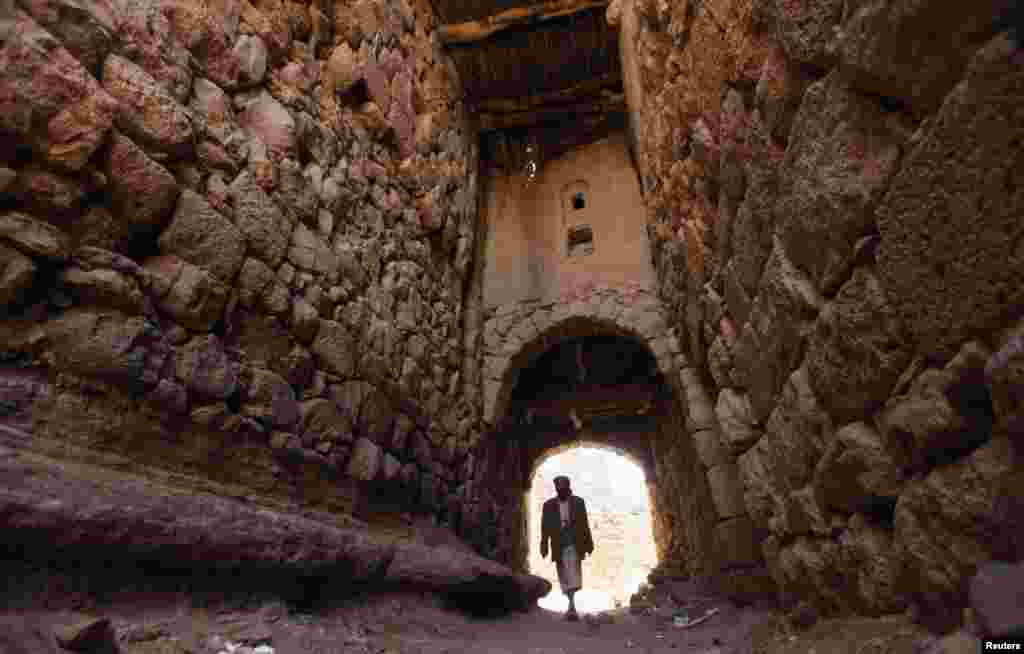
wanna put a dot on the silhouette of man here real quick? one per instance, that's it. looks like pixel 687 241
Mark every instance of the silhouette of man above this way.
pixel 564 524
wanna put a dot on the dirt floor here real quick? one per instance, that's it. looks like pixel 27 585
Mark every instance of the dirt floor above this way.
pixel 418 624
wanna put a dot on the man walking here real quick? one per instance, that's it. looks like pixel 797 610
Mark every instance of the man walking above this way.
pixel 564 523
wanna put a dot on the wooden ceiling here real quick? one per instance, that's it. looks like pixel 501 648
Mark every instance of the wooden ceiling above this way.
pixel 546 64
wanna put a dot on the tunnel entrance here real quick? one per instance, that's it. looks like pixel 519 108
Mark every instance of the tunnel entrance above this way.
pixel 619 509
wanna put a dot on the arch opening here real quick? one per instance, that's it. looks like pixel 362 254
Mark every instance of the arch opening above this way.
pixel 615 488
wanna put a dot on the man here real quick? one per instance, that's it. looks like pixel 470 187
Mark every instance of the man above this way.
pixel 564 523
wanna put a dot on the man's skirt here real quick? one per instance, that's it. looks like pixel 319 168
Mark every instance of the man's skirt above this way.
pixel 570 570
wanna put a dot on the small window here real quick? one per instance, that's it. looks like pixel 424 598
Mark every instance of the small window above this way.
pixel 578 202
pixel 580 241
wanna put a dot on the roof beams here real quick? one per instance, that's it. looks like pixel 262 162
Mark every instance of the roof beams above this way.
pixel 549 114
pixel 478 30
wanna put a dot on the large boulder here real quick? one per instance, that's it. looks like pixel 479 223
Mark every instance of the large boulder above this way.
pixel 142 191
pixel 148 112
pixel 16 275
pixel 266 228
pixel 947 525
pixel 199 234
pixel 997 596
pixel 204 367
pixel 783 460
pixel 771 344
pixel 858 470
pixel 82 511
pixel 33 237
pixel 950 260
pixel 858 348
pixel 889 48
pixel 268 120
pixel 807 30
pixel 842 151
pixel 49 99
pixel 335 347
pixel 100 343
pixel 192 296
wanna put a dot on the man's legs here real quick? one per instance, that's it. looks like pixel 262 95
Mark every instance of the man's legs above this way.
pixel 572 605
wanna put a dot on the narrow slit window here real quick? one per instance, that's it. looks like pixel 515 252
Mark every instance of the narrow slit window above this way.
pixel 578 202
pixel 580 240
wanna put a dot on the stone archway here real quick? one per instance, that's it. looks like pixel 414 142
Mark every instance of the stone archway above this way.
pixel 516 334
pixel 684 511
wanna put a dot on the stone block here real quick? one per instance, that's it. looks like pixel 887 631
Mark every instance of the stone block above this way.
pixel 16 275
pixel 736 542
pixel 857 350
pixel 204 367
pixel 266 228
pixel 945 524
pixel 199 234
pixel 738 425
pixel 996 594
pixel 148 113
pixel 47 87
pixel 951 262
pixel 727 490
pixel 888 50
pixel 33 237
pixel 365 461
pixel 832 178
pixel 857 470
pixel 98 343
pixel 771 345
pixel 709 448
pixel 192 296
pixel 335 347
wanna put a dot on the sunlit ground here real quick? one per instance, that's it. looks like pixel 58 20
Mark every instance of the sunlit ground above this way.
pixel 621 562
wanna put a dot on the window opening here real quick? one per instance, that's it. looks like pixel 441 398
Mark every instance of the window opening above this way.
pixel 578 201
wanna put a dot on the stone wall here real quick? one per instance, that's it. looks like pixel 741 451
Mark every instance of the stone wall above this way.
pixel 526 255
pixel 235 244
pixel 834 198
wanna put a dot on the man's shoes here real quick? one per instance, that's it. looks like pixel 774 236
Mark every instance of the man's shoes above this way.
pixel 571 616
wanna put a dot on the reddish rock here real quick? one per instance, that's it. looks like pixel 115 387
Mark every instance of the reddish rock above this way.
pixel 43 84
pixel 378 85
pixel 147 37
pixel 148 112
pixel 49 194
pixel 142 191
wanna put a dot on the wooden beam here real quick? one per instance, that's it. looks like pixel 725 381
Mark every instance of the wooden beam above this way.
pixel 630 399
pixel 478 30
pixel 575 93
pixel 604 105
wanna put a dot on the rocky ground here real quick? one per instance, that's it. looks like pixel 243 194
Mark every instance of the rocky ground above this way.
pixel 405 623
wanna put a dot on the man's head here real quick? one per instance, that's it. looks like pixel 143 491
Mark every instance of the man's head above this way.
pixel 562 487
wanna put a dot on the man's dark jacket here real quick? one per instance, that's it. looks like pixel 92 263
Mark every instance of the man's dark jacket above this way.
pixel 551 527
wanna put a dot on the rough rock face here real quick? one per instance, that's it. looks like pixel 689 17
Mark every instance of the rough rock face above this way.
pixel 198 242
pixel 835 213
